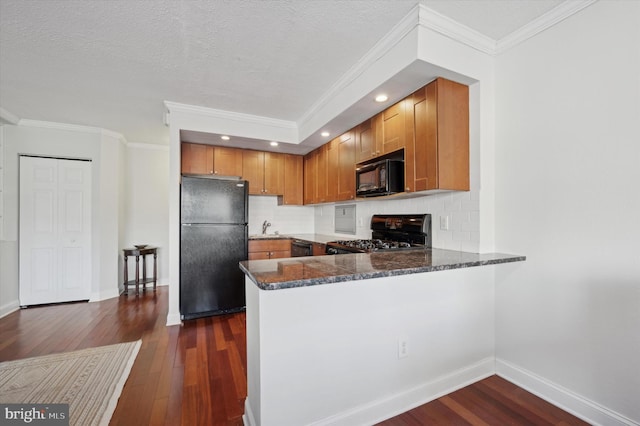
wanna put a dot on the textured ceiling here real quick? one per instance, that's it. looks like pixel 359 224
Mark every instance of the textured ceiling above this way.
pixel 111 64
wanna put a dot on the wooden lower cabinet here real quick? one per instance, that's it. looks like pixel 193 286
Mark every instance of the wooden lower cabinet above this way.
pixel 269 249
pixel 319 249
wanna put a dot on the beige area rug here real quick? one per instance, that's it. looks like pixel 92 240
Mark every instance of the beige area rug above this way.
pixel 89 380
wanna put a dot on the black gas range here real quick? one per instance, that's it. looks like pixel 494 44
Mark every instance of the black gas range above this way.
pixel 389 232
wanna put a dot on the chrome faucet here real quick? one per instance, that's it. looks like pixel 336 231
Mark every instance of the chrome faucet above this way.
pixel 265 225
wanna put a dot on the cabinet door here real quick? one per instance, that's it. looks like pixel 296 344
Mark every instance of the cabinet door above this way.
pixel 197 159
pixel 346 167
pixel 227 161
pixel 393 129
pixel 321 175
pixel 279 254
pixel 440 157
pixel 452 103
pixel 310 163
pixel 273 173
pixel 293 180
pixel 319 249
pixel 364 141
pixel 425 154
pixel 253 170
pixel 259 255
pixel 333 169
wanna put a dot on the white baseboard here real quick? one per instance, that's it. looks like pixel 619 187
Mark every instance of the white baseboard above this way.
pixel 385 408
pixel 247 417
pixel 7 308
pixel 569 401
pixel 173 319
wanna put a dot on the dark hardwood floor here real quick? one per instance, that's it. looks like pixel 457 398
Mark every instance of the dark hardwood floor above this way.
pixel 195 374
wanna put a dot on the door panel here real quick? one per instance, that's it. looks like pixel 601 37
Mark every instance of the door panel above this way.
pixel 42 271
pixel 55 230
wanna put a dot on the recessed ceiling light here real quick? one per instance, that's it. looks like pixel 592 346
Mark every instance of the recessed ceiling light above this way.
pixel 273 143
pixel 325 134
pixel 381 98
pixel 225 137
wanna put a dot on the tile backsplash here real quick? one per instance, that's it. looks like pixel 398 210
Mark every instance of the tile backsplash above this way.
pixel 459 209
pixel 284 219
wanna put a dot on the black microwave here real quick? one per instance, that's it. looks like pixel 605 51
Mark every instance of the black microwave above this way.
pixel 380 178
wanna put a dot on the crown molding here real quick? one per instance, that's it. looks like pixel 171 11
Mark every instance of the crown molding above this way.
pixel 115 135
pixel 538 25
pixel 446 26
pixel 383 46
pixel 174 107
pixel 7 117
pixel 73 128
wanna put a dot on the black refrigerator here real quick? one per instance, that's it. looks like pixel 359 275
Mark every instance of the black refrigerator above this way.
pixel 213 240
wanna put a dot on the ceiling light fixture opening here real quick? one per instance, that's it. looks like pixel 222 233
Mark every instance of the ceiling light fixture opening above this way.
pixel 325 134
pixel 273 143
pixel 225 137
pixel 381 98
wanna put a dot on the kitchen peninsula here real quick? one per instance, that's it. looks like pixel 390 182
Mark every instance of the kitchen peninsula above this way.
pixel 357 338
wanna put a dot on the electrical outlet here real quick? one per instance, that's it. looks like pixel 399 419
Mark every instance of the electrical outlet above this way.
pixel 444 223
pixel 403 348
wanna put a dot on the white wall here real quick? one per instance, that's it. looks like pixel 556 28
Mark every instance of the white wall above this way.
pixel 567 196
pixel 130 201
pixel 146 211
pixel 103 149
pixel 314 359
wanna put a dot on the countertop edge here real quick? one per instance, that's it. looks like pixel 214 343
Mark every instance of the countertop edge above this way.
pixel 507 258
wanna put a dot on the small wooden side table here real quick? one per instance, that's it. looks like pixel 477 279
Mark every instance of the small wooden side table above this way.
pixel 137 252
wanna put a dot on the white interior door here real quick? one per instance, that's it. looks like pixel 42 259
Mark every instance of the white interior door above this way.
pixel 55 230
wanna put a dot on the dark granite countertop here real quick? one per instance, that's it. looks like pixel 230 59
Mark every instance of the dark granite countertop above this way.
pixel 279 274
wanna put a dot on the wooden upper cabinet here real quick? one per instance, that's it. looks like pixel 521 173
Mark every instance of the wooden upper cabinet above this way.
pixel 384 133
pixel 253 170
pixel 210 160
pixel 332 167
pixel 321 174
pixel 293 180
pixel 365 141
pixel 264 171
pixel 395 130
pixel 439 158
pixel 196 159
pixel 392 129
pixel 345 168
pixel 330 171
pixel 227 161
pixel 273 173
pixel 310 166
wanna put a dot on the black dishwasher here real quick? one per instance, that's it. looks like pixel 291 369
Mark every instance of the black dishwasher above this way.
pixel 301 248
